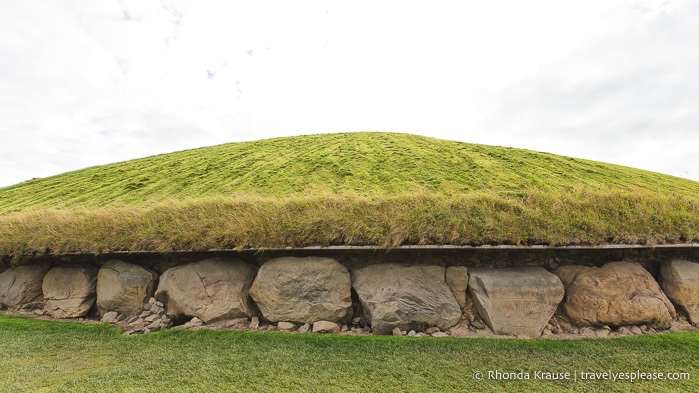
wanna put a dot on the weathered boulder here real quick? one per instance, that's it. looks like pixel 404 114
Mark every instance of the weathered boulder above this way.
pixel 123 287
pixel 617 294
pixel 680 281
pixel 568 273
pixel 21 285
pixel 405 297
pixel 303 290
pixel 519 300
pixel 456 278
pixel 69 291
pixel 211 290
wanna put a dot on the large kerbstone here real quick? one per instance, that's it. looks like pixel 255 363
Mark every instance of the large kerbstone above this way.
pixel 407 297
pixel 680 281
pixel 617 294
pixel 69 291
pixel 211 290
pixel 21 285
pixel 303 290
pixel 569 273
pixel 123 287
pixel 457 280
pixel 518 301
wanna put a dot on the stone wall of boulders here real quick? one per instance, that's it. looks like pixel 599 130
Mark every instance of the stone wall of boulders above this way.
pixel 320 294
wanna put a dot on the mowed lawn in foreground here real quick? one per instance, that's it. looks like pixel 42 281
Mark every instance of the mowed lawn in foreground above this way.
pixel 71 357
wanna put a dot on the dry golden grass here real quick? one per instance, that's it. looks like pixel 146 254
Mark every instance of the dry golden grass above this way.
pixel 582 217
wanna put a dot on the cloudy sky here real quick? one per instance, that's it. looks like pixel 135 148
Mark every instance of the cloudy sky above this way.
pixel 85 83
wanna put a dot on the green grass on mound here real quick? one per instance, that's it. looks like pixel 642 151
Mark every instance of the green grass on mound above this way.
pixel 378 189
pixel 71 357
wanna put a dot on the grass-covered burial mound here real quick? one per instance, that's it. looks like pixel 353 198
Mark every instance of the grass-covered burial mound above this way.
pixel 376 189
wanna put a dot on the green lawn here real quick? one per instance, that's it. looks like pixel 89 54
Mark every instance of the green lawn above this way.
pixel 71 357
pixel 377 189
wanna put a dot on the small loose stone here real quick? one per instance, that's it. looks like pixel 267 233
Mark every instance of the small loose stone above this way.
pixel 326 327
pixel 110 316
pixel 157 309
pixel 587 332
pixel 151 318
pixel 478 324
pixel 431 330
pixel 286 326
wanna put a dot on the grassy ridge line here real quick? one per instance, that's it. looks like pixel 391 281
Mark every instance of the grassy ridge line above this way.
pixel 579 217
pixel 370 164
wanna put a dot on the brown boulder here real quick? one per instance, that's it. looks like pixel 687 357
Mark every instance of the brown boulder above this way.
pixel 568 273
pixel 303 290
pixel 617 294
pixel 405 297
pixel 211 290
pixel 456 278
pixel 21 285
pixel 123 287
pixel 519 300
pixel 680 281
pixel 70 291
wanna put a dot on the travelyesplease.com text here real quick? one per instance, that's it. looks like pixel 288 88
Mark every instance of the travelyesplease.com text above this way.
pixel 581 375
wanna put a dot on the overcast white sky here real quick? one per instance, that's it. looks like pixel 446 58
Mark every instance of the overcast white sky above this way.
pixel 85 82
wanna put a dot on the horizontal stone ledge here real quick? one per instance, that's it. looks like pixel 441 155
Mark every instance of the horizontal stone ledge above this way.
pixel 482 247
pixel 407 248
pixel 358 257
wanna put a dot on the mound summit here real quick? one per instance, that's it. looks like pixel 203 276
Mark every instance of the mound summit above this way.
pixel 375 189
